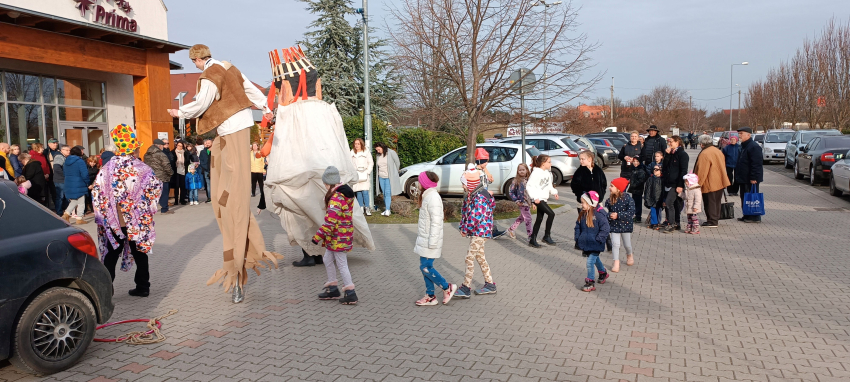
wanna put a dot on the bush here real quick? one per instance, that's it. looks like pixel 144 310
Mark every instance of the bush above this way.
pixel 380 132
pixel 503 206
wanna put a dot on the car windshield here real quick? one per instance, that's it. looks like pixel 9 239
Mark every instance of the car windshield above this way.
pixel 836 143
pixel 778 137
pixel 718 134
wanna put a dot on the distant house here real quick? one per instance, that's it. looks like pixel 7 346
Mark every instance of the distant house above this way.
pixel 596 112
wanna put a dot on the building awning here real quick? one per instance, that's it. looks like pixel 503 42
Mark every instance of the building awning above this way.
pixel 173 65
pixel 31 19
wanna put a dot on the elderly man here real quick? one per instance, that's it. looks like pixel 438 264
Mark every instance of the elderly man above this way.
pixel 224 101
pixel 158 161
pixel 731 153
pixel 711 170
pixel 749 171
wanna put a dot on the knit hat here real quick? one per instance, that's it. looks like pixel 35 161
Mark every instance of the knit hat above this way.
pixel 621 184
pixel 331 176
pixel 124 137
pixel 692 179
pixel 591 198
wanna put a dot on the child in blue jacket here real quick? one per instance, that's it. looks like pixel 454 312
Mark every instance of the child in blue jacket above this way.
pixel 194 182
pixel 591 233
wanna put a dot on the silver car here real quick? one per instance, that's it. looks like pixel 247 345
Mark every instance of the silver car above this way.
pixel 800 138
pixel 773 145
pixel 560 148
pixel 839 181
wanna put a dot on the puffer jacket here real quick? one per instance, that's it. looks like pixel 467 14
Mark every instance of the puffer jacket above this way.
pixel 638 180
pixel 592 239
pixel 159 162
pixel 652 191
pixel 731 153
pixel 337 233
pixel 76 177
pixel 429 237
pixel 364 165
pixel 693 200
pixel 625 209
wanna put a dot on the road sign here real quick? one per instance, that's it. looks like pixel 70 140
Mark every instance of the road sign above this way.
pixel 522 81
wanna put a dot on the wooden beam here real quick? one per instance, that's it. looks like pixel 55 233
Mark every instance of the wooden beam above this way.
pixel 96 33
pixel 120 39
pixel 152 95
pixel 35 45
pixel 28 21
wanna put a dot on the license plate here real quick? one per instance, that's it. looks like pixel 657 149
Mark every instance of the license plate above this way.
pixel 779 156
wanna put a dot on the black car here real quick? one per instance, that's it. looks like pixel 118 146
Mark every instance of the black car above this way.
pixel 817 157
pixel 54 289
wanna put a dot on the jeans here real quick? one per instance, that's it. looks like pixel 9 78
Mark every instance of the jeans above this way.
pixel 193 195
pixel 59 197
pixel 110 260
pixel 654 215
pixel 337 260
pixel 386 190
pixel 163 199
pixel 543 209
pixel 207 183
pixel 362 198
pixel 77 207
pixel 638 198
pixel 618 239
pixel 593 260
pixel 745 188
pixel 674 206
pixel 432 277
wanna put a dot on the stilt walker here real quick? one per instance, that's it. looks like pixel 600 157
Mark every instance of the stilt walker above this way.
pixel 308 138
pixel 224 100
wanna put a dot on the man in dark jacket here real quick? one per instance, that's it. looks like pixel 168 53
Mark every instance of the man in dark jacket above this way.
pixel 205 158
pixel 654 142
pixel 50 153
pixel 59 178
pixel 749 171
pixel 674 168
pixel 630 150
pixel 156 159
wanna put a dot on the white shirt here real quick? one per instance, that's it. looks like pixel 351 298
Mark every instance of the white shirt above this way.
pixel 243 119
pixel 539 185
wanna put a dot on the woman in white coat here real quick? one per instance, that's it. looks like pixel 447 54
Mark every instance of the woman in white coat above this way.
pixel 364 164
pixel 429 240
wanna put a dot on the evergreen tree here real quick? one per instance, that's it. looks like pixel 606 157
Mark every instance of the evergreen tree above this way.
pixel 332 48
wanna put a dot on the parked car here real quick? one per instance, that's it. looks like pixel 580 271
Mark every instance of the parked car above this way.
pixel 839 179
pixel 716 138
pixel 817 157
pixel 606 151
pixel 504 159
pixel 562 150
pixel 800 139
pixel 759 138
pixel 586 144
pixel 55 289
pixel 726 137
pixel 623 136
pixel 774 143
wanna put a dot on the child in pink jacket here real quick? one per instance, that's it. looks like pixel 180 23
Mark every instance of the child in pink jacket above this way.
pixel 692 195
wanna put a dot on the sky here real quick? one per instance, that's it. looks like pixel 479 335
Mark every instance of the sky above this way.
pixel 644 43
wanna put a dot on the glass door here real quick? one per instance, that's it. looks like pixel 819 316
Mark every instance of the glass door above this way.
pixel 90 136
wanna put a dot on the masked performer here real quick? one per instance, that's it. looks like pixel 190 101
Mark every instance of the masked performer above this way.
pixel 224 101
pixel 308 138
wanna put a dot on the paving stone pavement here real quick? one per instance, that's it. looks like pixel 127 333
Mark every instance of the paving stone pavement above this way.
pixel 744 302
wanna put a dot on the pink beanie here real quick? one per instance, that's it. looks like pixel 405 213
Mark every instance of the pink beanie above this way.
pixel 591 198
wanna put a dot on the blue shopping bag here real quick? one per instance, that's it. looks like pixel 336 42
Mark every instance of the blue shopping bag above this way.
pixel 753 202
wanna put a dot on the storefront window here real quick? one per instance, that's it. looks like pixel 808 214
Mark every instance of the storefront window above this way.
pixel 74 114
pixel 25 124
pixel 48 89
pixel 21 87
pixel 3 123
pixel 50 123
pixel 81 93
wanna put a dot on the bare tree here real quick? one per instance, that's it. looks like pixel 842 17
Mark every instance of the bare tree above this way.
pixel 474 46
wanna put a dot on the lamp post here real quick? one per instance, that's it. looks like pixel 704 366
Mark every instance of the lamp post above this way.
pixel 367 113
pixel 182 126
pixel 545 28
pixel 731 90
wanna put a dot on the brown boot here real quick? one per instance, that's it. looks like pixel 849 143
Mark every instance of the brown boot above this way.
pixel 81 221
pixel 66 217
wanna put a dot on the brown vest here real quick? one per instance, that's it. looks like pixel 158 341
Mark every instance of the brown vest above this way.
pixel 229 100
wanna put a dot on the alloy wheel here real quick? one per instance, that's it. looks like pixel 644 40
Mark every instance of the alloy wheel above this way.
pixel 58 332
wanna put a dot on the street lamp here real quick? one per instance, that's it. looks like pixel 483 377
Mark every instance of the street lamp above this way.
pixel 367 113
pixel 545 28
pixel 732 91
pixel 182 122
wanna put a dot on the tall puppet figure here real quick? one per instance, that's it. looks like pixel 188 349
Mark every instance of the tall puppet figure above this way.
pixel 224 101
pixel 308 138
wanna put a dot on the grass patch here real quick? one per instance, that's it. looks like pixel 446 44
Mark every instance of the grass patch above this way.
pixel 376 217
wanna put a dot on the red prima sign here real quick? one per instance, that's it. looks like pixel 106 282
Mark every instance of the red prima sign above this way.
pixel 110 19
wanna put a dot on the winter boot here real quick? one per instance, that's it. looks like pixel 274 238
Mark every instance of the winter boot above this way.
pixel 331 292
pixel 588 286
pixel 548 240
pixel 307 261
pixel 532 242
pixel 350 298
pixel 602 277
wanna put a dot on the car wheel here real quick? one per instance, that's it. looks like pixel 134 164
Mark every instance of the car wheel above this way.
pixel 813 180
pixel 506 188
pixel 602 162
pixel 53 332
pixel 832 189
pixel 557 177
pixel 797 174
pixel 413 189
pixel 787 165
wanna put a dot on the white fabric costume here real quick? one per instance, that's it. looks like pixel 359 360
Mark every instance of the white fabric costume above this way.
pixel 308 138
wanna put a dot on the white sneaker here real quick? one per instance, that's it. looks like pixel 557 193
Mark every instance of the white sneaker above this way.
pixel 387 213
pixel 368 211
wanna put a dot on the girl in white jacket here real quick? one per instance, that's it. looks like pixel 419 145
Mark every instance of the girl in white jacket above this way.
pixel 429 240
pixel 364 164
pixel 539 190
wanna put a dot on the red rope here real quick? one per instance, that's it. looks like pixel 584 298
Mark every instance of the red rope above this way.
pixel 106 325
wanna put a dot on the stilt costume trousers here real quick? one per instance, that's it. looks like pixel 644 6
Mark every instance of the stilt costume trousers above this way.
pixel 230 175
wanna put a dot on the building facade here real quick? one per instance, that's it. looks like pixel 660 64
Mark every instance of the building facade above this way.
pixel 74 69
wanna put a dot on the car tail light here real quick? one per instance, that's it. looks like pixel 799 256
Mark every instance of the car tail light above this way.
pixel 827 157
pixel 83 242
pixel 571 153
pixel 607 143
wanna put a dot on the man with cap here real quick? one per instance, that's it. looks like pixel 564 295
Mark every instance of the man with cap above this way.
pixel 224 101
pixel 652 144
pixel 156 159
pixel 124 198
pixel 749 170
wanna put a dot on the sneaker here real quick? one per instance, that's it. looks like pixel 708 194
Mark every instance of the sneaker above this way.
pixel 548 240
pixel 463 292
pixel 350 298
pixel 512 235
pixel 427 301
pixel 449 293
pixel 330 293
pixel 602 277
pixel 669 229
pixel 488 288
pixel 498 234
pixel 368 211
pixel 588 286
pixel 709 225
